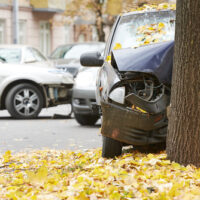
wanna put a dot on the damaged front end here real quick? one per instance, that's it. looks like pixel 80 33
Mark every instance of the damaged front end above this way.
pixel 141 118
pixel 134 111
pixel 58 94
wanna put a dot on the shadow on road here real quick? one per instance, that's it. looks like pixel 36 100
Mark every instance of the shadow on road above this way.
pixel 93 126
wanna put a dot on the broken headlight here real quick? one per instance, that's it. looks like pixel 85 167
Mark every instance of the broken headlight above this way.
pixel 147 93
pixel 118 95
pixel 145 87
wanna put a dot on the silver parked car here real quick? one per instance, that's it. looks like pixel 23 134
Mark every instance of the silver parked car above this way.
pixel 29 82
pixel 67 57
pixel 84 98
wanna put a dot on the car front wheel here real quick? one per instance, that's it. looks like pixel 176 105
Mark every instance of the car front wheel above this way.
pixel 111 148
pixel 86 120
pixel 24 101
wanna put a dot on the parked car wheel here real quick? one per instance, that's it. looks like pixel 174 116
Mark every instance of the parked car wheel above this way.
pixel 111 148
pixel 86 120
pixel 24 101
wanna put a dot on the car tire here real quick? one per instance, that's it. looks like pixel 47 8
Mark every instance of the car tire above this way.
pixel 86 120
pixel 111 148
pixel 24 101
pixel 152 148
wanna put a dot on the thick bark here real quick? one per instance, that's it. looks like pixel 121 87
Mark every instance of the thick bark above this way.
pixel 183 140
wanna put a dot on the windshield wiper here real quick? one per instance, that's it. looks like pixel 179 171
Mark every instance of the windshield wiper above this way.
pixel 3 59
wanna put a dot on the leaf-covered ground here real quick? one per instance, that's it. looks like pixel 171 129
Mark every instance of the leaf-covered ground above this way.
pixel 84 175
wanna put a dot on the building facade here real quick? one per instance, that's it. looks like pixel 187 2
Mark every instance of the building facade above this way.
pixel 41 24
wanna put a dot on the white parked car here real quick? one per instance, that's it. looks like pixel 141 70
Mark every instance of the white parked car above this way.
pixel 29 82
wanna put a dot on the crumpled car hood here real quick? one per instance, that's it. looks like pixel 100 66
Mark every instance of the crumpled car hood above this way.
pixel 156 59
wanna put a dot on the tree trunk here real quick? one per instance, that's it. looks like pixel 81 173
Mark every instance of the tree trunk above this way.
pixel 99 23
pixel 183 140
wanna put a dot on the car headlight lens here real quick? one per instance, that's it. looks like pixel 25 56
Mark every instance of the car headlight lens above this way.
pixel 118 95
pixel 85 80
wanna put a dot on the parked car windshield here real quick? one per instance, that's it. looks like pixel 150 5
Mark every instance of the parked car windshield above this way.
pixel 139 29
pixel 60 51
pixel 33 55
pixel 75 51
pixel 11 55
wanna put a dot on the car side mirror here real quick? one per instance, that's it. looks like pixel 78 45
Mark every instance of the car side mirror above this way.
pixel 93 59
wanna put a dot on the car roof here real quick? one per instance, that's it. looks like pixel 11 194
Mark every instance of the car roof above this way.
pixel 144 11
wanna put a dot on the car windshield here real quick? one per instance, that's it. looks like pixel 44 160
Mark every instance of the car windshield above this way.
pixel 10 55
pixel 33 55
pixel 60 52
pixel 139 29
pixel 77 50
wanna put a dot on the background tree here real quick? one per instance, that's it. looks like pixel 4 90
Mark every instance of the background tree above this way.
pixel 183 141
pixel 103 11
pixel 88 9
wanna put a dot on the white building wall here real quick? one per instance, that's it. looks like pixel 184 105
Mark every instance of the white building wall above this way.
pixel 6 16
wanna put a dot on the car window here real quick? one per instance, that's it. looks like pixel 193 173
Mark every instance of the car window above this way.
pixel 38 55
pixel 11 55
pixel 77 50
pixel 33 55
pixel 60 52
pixel 134 30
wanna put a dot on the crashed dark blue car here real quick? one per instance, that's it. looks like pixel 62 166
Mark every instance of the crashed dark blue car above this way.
pixel 133 86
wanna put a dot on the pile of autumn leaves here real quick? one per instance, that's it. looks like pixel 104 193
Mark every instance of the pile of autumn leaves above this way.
pixel 85 175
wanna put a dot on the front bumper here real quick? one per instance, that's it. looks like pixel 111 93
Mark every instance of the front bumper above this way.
pixel 58 94
pixel 133 127
pixel 83 101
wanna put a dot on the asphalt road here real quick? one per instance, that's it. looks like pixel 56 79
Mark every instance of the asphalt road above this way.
pixel 47 132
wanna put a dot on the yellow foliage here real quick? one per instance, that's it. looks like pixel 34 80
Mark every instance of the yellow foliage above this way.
pixel 39 177
pixel 148 7
pixel 108 59
pixel 114 7
pixel 7 157
pixel 117 46
pixel 58 175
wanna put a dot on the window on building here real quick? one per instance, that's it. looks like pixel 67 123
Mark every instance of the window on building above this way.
pixel 45 38
pixel 2 31
pixel 22 32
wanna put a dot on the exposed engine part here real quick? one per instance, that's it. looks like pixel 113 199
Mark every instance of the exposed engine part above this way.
pixel 51 93
pixel 57 93
pixel 148 94
pixel 62 92
pixel 144 93
pixel 145 87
